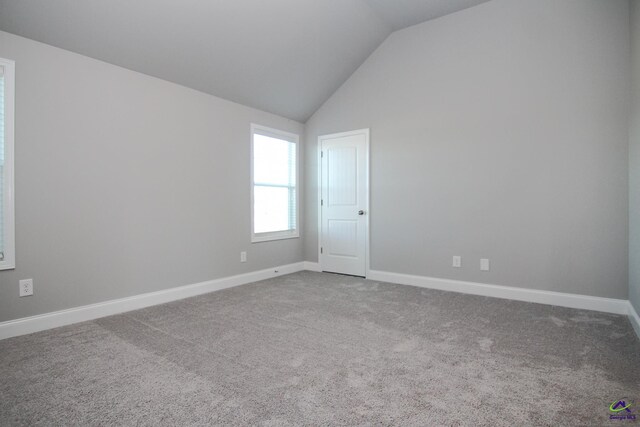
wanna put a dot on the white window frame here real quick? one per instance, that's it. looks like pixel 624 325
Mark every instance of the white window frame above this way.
pixel 287 136
pixel 8 208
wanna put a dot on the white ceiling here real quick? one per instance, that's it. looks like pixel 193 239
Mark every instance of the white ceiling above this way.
pixel 282 56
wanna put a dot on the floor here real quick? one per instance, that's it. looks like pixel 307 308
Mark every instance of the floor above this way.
pixel 322 349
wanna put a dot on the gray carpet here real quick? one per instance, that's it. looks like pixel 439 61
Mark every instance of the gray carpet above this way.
pixel 322 349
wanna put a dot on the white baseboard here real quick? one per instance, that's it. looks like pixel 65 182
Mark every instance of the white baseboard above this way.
pixel 585 302
pixel 55 319
pixel 312 266
pixel 634 319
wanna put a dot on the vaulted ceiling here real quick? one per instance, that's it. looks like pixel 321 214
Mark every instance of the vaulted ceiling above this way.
pixel 282 56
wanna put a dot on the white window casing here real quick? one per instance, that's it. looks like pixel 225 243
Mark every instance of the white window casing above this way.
pixel 7 208
pixel 274 184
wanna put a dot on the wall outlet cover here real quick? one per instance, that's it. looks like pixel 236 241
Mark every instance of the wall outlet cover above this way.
pixel 26 287
pixel 457 261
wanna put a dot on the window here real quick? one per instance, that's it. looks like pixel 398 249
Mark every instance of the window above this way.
pixel 274 194
pixel 7 246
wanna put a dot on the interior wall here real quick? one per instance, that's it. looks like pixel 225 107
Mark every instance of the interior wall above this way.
pixel 125 183
pixel 634 162
pixel 497 132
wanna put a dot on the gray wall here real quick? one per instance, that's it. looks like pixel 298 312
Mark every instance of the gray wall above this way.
pixel 499 131
pixel 125 184
pixel 634 162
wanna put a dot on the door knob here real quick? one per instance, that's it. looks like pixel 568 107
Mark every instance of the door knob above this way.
pixel 360 212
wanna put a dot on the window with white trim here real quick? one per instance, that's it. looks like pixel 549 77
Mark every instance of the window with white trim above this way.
pixel 7 231
pixel 274 176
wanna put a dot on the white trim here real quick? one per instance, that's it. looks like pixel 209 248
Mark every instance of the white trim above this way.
pixel 276 235
pixel 287 136
pixel 321 139
pixel 634 319
pixel 312 266
pixel 55 319
pixel 8 207
pixel 319 195
pixel 585 302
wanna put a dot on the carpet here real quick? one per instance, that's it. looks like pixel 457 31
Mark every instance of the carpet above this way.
pixel 322 349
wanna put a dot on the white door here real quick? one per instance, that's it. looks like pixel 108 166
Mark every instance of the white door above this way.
pixel 344 202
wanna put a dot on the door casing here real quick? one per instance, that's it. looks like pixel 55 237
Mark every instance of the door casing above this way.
pixel 367 208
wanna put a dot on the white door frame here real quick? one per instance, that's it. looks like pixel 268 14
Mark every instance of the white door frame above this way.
pixel 367 209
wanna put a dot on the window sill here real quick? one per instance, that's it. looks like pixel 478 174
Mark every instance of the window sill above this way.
pixel 5 265
pixel 268 237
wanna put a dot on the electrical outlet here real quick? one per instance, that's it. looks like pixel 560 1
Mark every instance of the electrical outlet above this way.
pixel 457 261
pixel 484 264
pixel 243 256
pixel 26 287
